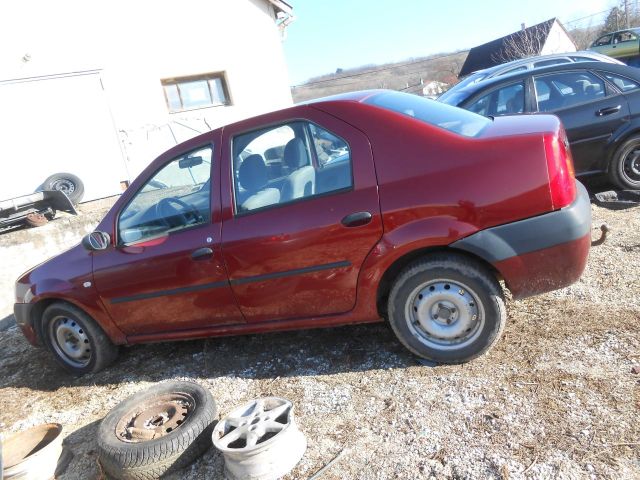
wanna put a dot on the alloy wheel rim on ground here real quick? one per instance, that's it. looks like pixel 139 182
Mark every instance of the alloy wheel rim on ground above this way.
pixel 155 418
pixel 260 440
pixel 444 315
pixel 70 341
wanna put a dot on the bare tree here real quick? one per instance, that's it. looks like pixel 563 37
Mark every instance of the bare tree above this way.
pixel 522 44
pixel 583 37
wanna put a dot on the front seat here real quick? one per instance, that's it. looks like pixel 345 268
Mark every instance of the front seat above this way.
pixel 301 181
pixel 254 178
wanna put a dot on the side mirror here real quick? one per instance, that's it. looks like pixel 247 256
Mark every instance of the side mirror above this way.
pixel 96 241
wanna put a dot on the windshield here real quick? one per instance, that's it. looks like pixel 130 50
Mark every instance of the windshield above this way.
pixel 435 113
pixel 470 80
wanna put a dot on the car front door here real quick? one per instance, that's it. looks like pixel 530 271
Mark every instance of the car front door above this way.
pixel 165 272
pixel 603 45
pixel 589 110
pixel 293 244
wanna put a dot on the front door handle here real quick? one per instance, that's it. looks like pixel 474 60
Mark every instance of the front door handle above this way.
pixel 608 111
pixel 202 253
pixel 356 219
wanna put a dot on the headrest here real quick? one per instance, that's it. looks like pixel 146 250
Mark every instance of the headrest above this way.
pixel 295 154
pixel 253 175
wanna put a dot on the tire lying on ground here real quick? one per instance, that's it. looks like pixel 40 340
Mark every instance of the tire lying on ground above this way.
pixel 68 183
pixel 157 431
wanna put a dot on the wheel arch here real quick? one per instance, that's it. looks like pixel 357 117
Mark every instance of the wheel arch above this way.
pixel 392 272
pixel 41 304
pixel 36 315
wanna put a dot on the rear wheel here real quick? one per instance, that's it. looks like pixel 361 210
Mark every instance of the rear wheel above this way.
pixel 624 170
pixel 447 308
pixel 76 340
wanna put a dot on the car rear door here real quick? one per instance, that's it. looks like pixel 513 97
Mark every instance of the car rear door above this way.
pixel 166 271
pixel 589 109
pixel 625 44
pixel 295 252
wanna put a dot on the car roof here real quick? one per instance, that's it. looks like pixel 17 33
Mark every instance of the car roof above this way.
pixel 357 96
pixel 624 70
pixel 632 29
pixel 542 58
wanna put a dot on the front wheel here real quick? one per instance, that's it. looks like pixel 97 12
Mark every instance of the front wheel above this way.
pixel 624 170
pixel 76 340
pixel 447 308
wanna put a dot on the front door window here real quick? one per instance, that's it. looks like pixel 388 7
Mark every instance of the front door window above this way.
pixel 175 198
pixel 507 100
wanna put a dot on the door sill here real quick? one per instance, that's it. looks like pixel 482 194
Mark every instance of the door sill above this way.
pixel 249 328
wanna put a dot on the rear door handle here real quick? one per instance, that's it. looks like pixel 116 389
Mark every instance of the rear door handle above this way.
pixel 202 253
pixel 608 110
pixel 356 219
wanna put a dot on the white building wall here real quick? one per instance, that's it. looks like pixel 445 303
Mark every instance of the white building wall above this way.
pixel 138 43
pixel 557 41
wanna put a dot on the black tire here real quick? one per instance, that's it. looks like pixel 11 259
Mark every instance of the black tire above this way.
pixel 83 332
pixel 452 287
pixel 624 170
pixel 150 459
pixel 68 183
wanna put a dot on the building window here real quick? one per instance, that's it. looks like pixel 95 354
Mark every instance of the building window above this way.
pixel 187 93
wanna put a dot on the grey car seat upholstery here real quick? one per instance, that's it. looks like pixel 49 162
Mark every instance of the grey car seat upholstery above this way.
pixel 254 178
pixel 301 181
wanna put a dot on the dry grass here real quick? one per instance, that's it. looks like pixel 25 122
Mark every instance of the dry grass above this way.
pixel 556 398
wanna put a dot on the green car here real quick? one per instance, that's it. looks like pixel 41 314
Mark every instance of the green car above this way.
pixel 621 44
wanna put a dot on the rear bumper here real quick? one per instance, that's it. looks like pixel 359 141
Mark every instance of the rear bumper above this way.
pixel 22 312
pixel 538 254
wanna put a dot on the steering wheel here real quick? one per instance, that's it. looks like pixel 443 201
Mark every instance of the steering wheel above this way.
pixel 174 212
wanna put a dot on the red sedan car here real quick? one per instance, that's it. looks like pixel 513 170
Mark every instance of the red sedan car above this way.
pixel 350 209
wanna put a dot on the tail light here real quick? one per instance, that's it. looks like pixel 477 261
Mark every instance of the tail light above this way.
pixel 562 182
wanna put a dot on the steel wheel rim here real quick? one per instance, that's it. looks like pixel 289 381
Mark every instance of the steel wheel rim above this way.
pixel 155 418
pixel 631 165
pixel 64 185
pixel 444 315
pixel 70 341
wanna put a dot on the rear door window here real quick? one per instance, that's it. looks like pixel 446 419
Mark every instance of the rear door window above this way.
pixel 562 90
pixel 624 37
pixel 286 163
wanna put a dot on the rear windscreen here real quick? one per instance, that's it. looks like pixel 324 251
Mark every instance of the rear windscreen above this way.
pixel 428 111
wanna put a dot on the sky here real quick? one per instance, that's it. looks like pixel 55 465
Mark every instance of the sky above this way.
pixel 331 34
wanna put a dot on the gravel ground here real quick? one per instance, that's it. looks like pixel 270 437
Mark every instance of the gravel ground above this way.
pixel 556 398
